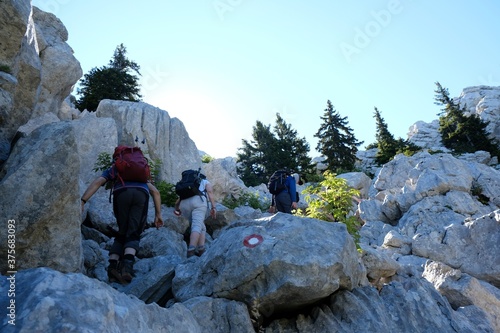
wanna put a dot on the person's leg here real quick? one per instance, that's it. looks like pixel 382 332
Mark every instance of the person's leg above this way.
pixel 120 201
pixel 197 224
pixel 200 247
pixel 193 239
pixel 186 206
pixel 137 215
pixel 283 202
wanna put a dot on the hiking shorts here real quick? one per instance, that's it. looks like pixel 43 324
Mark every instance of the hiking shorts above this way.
pixel 130 206
pixel 195 208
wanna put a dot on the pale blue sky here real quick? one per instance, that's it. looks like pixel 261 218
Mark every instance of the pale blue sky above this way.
pixel 221 65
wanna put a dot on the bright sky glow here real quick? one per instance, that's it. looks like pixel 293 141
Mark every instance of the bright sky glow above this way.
pixel 221 65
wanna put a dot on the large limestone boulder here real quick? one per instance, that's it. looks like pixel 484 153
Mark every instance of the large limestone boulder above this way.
pixel 39 190
pixel 471 246
pixel 273 264
pixel 358 181
pixel 409 305
pixel 224 178
pixel 462 290
pixel 50 301
pixel 162 137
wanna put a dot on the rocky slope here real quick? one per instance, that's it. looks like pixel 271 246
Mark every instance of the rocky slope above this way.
pixel 429 245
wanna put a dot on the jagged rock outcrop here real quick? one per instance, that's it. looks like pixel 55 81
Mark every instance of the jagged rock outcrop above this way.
pixel 485 102
pixel 41 67
pixel 164 138
pixel 438 204
pixel 426 135
pixel 60 69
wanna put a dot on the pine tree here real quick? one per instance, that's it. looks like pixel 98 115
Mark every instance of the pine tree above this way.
pixel 336 141
pixel 460 132
pixel 290 150
pixel 386 143
pixel 110 82
pixel 269 151
pixel 252 161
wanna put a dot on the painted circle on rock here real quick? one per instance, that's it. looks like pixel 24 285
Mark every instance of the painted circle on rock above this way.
pixel 253 240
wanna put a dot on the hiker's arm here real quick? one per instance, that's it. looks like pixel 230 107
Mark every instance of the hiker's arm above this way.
pixel 210 194
pixel 272 208
pixel 157 202
pixel 93 187
pixel 292 191
pixel 177 205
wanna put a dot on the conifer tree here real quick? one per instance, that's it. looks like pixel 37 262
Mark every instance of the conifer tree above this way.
pixel 460 132
pixel 336 141
pixel 110 82
pixel 252 157
pixel 291 151
pixel 271 150
pixel 386 143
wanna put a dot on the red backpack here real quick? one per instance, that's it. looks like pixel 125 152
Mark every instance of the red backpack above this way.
pixel 131 164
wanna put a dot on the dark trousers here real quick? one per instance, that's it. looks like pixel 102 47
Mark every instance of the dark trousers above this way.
pixel 283 202
pixel 130 206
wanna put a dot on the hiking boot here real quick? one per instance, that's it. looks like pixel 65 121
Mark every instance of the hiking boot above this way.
pixel 114 274
pixel 200 250
pixel 127 270
pixel 191 251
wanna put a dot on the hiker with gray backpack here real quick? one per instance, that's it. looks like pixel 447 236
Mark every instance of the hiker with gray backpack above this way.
pixel 282 186
pixel 195 191
pixel 130 175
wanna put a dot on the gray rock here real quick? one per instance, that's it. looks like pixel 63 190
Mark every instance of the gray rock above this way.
pixel 226 315
pixel 50 301
pixel 273 265
pixel 165 138
pixel 40 192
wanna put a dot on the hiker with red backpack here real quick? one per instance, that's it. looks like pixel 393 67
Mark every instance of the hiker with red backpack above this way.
pixel 194 192
pixel 131 178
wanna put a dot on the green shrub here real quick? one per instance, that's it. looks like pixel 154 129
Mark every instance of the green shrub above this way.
pixel 331 200
pixel 206 158
pixel 167 193
pixel 247 199
pixel 5 69
pixel 155 167
pixel 104 162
